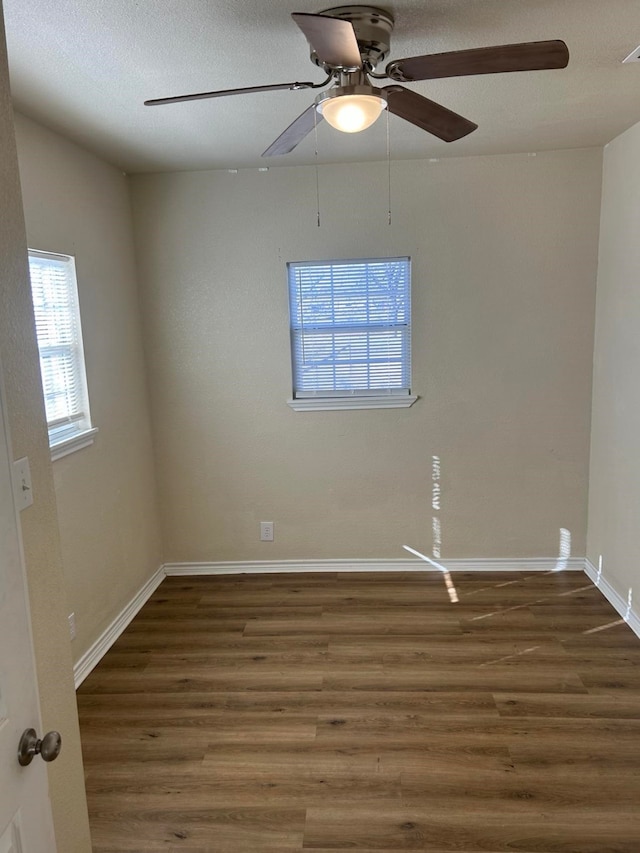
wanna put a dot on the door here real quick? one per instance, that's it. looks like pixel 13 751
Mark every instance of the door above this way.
pixel 25 813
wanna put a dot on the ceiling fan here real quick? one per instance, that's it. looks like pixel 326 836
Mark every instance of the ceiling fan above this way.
pixel 349 42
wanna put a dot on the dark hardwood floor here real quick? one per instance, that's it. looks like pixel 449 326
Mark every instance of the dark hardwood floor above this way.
pixel 367 712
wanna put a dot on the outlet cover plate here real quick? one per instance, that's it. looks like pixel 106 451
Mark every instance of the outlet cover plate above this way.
pixel 22 483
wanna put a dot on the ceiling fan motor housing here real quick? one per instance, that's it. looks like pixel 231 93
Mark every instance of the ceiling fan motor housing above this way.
pixel 373 28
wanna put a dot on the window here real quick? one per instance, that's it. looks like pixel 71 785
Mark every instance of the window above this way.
pixel 350 333
pixel 55 303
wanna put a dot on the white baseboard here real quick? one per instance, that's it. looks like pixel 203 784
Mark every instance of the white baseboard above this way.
pixel 618 603
pixel 542 564
pixel 92 657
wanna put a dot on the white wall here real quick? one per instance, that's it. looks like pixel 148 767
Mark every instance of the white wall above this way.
pixel 614 492
pixel 77 204
pixel 19 356
pixel 504 253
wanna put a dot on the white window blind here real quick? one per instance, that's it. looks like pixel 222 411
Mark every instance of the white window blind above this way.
pixel 350 327
pixel 57 316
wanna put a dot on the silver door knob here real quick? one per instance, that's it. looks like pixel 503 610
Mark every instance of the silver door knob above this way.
pixel 49 747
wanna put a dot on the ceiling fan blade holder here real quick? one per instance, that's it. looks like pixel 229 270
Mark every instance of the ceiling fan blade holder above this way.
pixel 222 93
pixel 295 133
pixel 528 56
pixel 333 41
pixel 347 37
pixel 428 115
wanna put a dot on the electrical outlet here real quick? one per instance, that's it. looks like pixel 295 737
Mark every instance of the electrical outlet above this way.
pixel 266 531
pixel 22 483
pixel 72 625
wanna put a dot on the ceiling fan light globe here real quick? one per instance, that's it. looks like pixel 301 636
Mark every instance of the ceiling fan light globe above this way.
pixel 353 108
pixel 353 113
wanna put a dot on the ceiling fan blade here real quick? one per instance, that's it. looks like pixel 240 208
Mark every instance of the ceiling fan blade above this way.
pixel 295 133
pixel 428 115
pixel 529 56
pixel 333 39
pixel 223 92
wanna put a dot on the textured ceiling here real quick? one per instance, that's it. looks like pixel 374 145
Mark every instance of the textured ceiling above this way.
pixel 85 69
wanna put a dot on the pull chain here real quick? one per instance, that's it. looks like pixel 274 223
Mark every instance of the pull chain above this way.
pixel 389 165
pixel 315 133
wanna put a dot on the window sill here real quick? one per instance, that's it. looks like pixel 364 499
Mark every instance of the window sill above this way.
pixel 73 443
pixel 328 404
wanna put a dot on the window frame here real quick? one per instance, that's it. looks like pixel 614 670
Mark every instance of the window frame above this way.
pixel 354 398
pixel 75 431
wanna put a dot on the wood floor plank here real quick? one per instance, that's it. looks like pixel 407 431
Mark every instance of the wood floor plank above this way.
pixel 438 677
pixel 412 828
pixel 251 660
pixel 269 829
pixel 271 702
pixel 567 705
pixel 218 642
pixel 367 712
pixel 546 733
pixel 350 624
pixel 110 681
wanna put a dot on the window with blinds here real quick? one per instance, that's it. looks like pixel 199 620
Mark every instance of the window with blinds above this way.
pixel 55 304
pixel 351 329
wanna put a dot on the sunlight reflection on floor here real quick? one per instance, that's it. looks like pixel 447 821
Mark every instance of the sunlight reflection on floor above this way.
pixel 604 627
pixel 448 581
